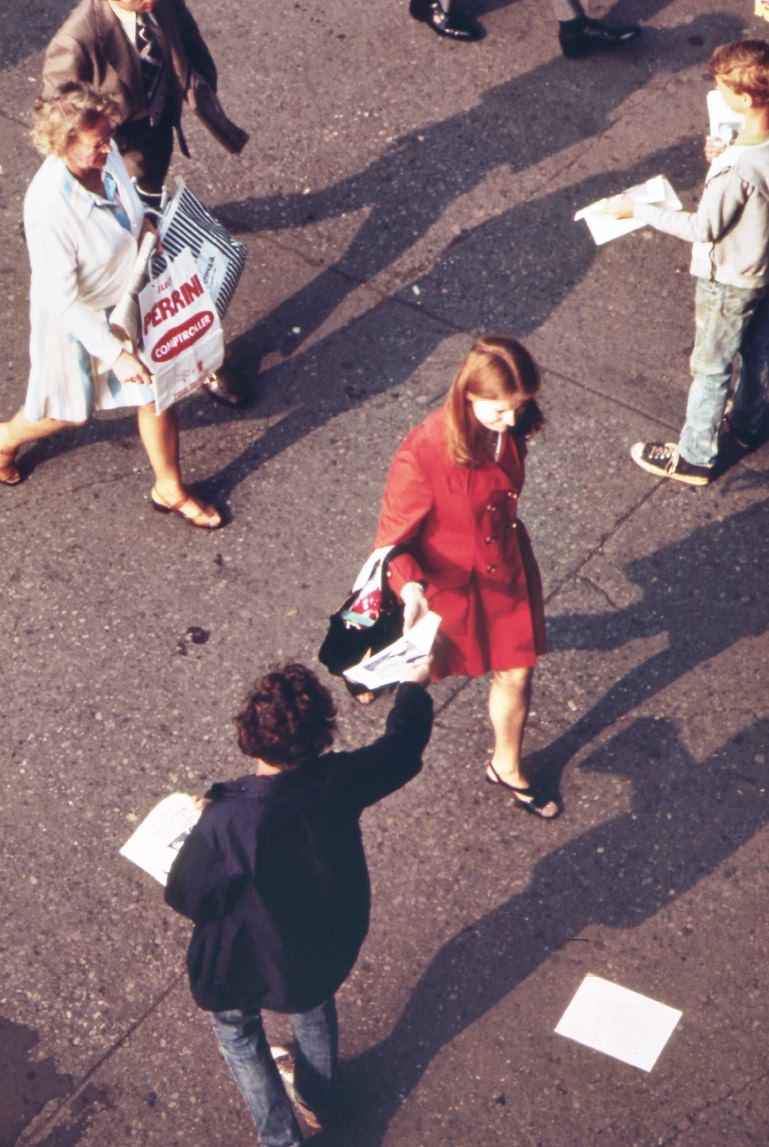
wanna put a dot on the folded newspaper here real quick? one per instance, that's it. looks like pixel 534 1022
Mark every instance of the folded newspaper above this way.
pixel 605 227
pixel 157 840
pixel 391 663
pixel 723 123
pixel 125 321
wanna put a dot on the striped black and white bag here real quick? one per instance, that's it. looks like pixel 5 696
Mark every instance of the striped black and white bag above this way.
pixel 185 222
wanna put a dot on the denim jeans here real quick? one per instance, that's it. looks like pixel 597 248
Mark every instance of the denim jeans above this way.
pixel 729 321
pixel 244 1046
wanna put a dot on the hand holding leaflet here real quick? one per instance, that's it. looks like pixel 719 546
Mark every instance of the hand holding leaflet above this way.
pixel 604 227
pixel 155 843
pixel 723 123
pixel 389 664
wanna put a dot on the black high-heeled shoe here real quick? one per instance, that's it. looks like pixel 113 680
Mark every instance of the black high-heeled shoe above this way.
pixel 448 24
pixel 583 36
pixel 524 798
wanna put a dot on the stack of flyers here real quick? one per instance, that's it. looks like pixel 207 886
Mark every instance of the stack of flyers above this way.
pixel 605 227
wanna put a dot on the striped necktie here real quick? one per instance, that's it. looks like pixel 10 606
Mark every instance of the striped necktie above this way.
pixel 152 65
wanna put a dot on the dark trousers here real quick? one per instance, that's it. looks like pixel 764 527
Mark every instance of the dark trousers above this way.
pixel 147 150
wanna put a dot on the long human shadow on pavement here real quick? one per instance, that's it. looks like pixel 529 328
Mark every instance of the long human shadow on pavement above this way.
pixel 30 1083
pixel 616 875
pixel 28 29
pixel 509 273
pixel 533 254
pixel 706 591
pixel 517 125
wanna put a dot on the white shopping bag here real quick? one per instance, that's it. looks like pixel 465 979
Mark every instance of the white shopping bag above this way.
pixel 182 339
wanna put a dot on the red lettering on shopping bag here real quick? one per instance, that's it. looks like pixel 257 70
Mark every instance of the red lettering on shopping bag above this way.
pixel 181 337
pixel 168 305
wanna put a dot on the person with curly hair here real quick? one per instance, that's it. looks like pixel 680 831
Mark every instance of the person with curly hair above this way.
pixel 83 223
pixel 149 56
pixel 274 878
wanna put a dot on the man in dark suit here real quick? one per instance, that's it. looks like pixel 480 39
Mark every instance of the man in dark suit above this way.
pixel 150 57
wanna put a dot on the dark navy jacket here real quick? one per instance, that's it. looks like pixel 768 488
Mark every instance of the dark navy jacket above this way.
pixel 274 875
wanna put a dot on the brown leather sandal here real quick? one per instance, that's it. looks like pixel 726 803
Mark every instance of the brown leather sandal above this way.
pixel 10 475
pixel 198 514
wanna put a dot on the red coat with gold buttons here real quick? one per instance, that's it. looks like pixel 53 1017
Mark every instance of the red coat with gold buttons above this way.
pixel 469 548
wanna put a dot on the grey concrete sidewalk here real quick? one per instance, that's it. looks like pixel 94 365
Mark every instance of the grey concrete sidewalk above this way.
pixel 398 194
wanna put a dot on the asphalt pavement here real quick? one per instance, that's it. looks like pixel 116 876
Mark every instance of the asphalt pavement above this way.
pixel 400 193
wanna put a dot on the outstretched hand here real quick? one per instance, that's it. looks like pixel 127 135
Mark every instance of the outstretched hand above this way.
pixel 419 672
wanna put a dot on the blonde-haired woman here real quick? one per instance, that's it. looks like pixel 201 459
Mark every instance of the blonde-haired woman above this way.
pixel 83 222
pixel 452 497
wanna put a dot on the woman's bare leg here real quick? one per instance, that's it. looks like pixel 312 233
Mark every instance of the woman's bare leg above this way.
pixel 160 436
pixel 509 700
pixel 19 430
pixel 15 433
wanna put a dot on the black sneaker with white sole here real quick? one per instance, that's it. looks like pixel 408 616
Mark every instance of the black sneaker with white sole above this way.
pixel 664 460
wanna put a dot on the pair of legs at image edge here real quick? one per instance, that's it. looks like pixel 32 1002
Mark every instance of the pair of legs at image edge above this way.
pixel 263 1081
pixel 578 34
pixel 509 703
pixel 160 437
pixel 730 321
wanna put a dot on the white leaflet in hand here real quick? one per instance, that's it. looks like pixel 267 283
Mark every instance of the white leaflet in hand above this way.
pixel 390 664
pixel 605 227
pixel 723 123
pixel 125 320
pixel 157 840
pixel 618 1022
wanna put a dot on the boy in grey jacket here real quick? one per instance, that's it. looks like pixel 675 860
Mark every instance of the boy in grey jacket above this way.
pixel 730 260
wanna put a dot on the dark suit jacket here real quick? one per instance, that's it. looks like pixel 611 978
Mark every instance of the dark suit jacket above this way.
pixel 92 46
pixel 274 875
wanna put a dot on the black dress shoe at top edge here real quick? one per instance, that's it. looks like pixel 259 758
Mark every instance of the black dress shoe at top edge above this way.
pixel 451 25
pixel 583 36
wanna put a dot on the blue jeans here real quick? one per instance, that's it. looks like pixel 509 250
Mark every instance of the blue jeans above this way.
pixel 729 321
pixel 244 1046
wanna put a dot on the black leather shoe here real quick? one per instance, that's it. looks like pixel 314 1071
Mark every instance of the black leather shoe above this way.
pixel 583 36
pixel 448 24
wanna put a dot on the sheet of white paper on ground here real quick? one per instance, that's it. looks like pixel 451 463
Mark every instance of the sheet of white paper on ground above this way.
pixel 722 121
pixel 390 664
pixel 619 1022
pixel 155 843
pixel 605 227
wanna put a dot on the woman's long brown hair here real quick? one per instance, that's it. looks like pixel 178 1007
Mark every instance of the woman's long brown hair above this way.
pixel 495 368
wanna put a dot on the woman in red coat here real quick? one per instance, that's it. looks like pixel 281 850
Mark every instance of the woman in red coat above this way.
pixel 452 496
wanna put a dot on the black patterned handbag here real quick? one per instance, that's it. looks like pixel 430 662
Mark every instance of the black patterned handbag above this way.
pixel 369 618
